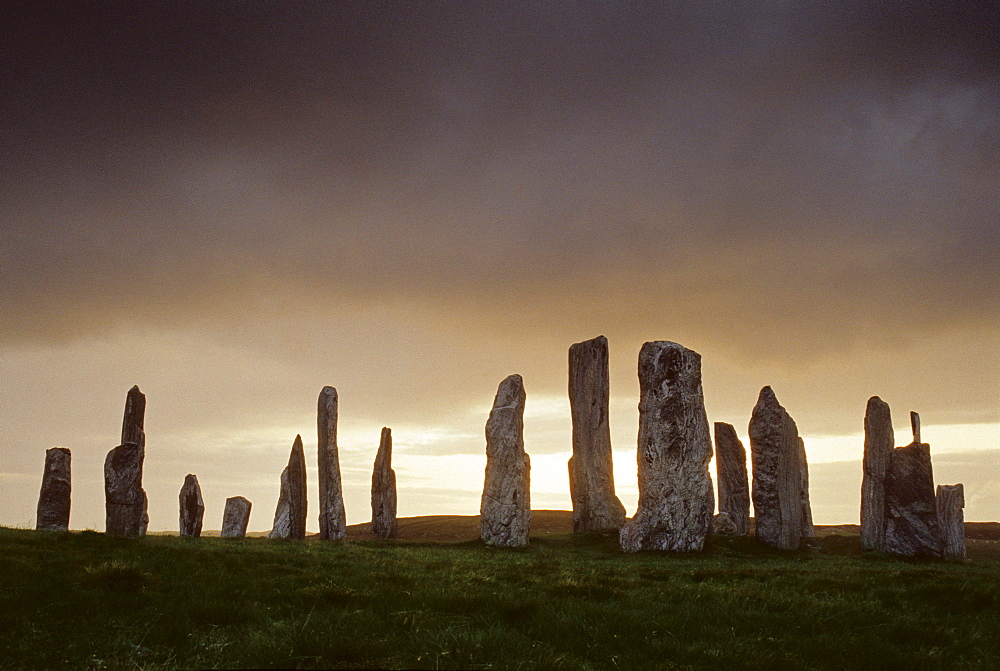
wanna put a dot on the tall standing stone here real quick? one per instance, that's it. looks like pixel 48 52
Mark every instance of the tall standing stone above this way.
pixel 808 530
pixel 591 472
pixel 54 497
pixel 879 443
pixel 192 507
pixel 951 520
pixel 676 498
pixel 290 513
pixel 734 486
pixel 505 509
pixel 911 527
pixel 236 517
pixel 384 489
pixel 778 466
pixel 133 433
pixel 332 518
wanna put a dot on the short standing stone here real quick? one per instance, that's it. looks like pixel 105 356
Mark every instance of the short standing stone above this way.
pixel 332 518
pixel 124 497
pixel 290 513
pixel 236 517
pixel 591 473
pixel 808 531
pixel 951 520
pixel 54 498
pixel 879 443
pixel 192 507
pixel 505 509
pixel 911 527
pixel 724 525
pixel 777 473
pixel 384 489
pixel 676 498
pixel 734 486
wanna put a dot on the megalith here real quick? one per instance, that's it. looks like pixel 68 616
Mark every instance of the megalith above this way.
pixel 54 497
pixel 591 473
pixel 192 507
pixel 236 517
pixel 879 443
pixel 332 518
pixel 676 497
pixel 951 520
pixel 911 526
pixel 734 486
pixel 126 505
pixel 290 513
pixel 384 489
pixel 505 509
pixel 808 530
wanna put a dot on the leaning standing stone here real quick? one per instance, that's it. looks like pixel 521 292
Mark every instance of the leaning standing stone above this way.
pixel 734 486
pixel 777 473
pixel 676 500
pixel 332 518
pixel 54 498
pixel 384 489
pixel 879 443
pixel 290 513
pixel 951 520
pixel 911 527
pixel 236 517
pixel 505 509
pixel 192 507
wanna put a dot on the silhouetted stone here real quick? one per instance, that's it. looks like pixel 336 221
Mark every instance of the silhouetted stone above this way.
pixel 911 527
pixel 236 517
pixel 915 426
pixel 332 518
pixel 384 489
pixel 951 520
pixel 777 474
pixel 879 443
pixel 290 513
pixel 505 509
pixel 676 498
pixel 133 422
pixel 591 473
pixel 124 498
pixel 54 497
pixel 133 433
pixel 808 531
pixel 192 507
pixel 724 525
pixel 731 473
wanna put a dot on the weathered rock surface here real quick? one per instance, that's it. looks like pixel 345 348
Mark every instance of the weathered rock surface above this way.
pixel 723 524
pixel 915 426
pixel 54 497
pixel 332 517
pixel 777 473
pixel 676 498
pixel 808 530
pixel 731 473
pixel 591 473
pixel 951 520
pixel 505 509
pixel 290 513
pixel 236 517
pixel 124 498
pixel 384 489
pixel 911 527
pixel 879 443
pixel 192 507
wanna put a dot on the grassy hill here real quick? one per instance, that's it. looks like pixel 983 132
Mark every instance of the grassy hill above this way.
pixel 433 600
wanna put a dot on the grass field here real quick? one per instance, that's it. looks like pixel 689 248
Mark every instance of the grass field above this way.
pixel 82 600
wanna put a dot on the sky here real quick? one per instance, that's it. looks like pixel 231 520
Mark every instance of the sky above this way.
pixel 235 204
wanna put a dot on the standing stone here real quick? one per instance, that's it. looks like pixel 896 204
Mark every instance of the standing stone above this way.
pixel 384 489
pixel 911 527
pixel 777 473
pixel 505 509
pixel 236 517
pixel 879 442
pixel 54 498
pixel 915 426
pixel 808 530
pixel 591 473
pixel 676 498
pixel 192 507
pixel 734 486
pixel 290 513
pixel 332 518
pixel 951 520
pixel 133 433
pixel 124 498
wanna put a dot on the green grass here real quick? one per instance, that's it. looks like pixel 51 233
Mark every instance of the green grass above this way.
pixel 84 600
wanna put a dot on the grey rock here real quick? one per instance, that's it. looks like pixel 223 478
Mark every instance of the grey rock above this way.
pixel 915 426
pixel 808 530
pixel 731 472
pixel 911 527
pixel 332 517
pixel 54 497
pixel 505 509
pixel 723 524
pixel 879 443
pixel 591 472
pixel 384 489
pixel 192 507
pixel 951 520
pixel 290 513
pixel 676 497
pixel 236 517
pixel 124 498
pixel 777 474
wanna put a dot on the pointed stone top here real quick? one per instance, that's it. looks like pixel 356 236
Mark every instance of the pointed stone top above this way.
pixel 134 389
pixel 509 391
pixel 297 445
pixel 767 396
pixel 915 425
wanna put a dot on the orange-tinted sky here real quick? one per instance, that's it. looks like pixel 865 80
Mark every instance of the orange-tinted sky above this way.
pixel 234 204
